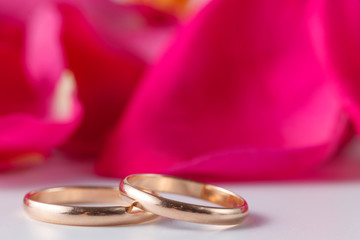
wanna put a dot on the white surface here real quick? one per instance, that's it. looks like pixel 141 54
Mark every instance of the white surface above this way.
pixel 325 206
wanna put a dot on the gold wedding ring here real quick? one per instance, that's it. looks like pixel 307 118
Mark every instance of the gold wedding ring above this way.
pixel 55 205
pixel 139 190
pixel 65 205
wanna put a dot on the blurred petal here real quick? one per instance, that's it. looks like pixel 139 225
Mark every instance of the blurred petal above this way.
pixel 179 8
pixel 108 47
pixel 12 74
pixel 44 54
pixel 336 33
pixel 241 94
pixel 19 9
pixel 32 116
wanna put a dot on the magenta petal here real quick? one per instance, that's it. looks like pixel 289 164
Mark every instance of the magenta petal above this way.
pixel 339 46
pixel 241 94
pixel 102 42
pixel 38 106
pixel 211 94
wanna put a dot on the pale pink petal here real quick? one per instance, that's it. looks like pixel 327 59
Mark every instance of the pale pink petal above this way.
pixel 44 54
pixel 240 94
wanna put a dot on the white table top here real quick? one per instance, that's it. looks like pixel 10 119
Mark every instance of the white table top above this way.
pixel 325 205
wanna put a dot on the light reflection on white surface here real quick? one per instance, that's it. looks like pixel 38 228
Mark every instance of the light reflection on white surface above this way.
pixel 43 231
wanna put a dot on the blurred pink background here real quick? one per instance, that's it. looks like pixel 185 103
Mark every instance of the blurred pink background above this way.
pixel 218 90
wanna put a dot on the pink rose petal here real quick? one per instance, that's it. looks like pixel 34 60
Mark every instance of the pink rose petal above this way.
pixel 240 94
pixel 337 36
pixel 38 105
pixel 103 41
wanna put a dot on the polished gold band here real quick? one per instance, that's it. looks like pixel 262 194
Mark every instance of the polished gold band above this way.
pixel 139 188
pixel 53 205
